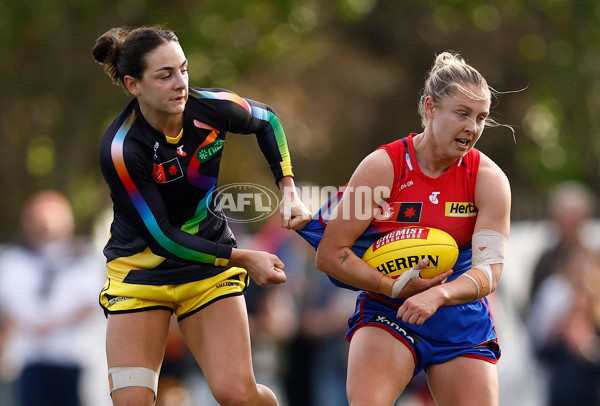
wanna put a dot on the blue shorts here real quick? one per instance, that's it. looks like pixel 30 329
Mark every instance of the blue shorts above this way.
pixel 465 330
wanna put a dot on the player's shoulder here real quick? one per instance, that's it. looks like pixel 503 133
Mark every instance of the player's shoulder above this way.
pixel 219 101
pixel 492 183
pixel 122 119
pixel 211 94
pixel 125 137
pixel 376 169
pixel 377 160
pixel 488 167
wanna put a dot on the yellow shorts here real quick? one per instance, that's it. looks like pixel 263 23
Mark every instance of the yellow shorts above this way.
pixel 182 299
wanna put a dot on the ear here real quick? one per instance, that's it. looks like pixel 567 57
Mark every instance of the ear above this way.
pixel 132 85
pixel 429 106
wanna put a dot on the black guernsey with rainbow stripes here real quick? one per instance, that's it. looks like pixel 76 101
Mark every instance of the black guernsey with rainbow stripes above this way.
pixel 166 227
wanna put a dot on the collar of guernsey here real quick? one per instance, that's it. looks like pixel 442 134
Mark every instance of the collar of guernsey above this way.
pixel 174 140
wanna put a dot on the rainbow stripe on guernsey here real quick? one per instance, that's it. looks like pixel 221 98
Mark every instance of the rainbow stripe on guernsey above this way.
pixel 192 225
pixel 203 182
pixel 205 94
pixel 197 179
pixel 141 205
pixel 266 115
pixel 259 113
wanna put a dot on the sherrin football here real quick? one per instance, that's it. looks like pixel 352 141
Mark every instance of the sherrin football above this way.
pixel 403 248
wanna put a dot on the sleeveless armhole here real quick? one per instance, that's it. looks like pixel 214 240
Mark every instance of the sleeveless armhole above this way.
pixel 397 151
pixel 471 162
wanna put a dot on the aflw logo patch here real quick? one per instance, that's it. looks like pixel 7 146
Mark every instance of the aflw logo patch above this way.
pixel 460 209
pixel 167 171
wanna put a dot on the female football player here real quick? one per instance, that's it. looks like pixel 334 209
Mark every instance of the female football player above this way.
pixel 402 326
pixel 170 248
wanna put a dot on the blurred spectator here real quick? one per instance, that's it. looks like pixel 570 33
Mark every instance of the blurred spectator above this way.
pixel 323 325
pixel 560 318
pixel 272 310
pixel 49 287
pixel 7 373
pixel 272 324
pixel 564 324
pixel 298 328
pixel 571 207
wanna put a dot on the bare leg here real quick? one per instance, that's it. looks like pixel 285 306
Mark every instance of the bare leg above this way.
pixel 379 368
pixel 464 381
pixel 219 338
pixel 136 340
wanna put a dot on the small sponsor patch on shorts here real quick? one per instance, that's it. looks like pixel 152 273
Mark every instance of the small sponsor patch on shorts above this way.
pixel 227 283
pixel 378 318
pixel 117 300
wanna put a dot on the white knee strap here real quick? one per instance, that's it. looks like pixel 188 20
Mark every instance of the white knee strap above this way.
pixel 123 377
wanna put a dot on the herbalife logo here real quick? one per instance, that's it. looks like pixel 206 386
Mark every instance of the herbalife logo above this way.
pixel 245 202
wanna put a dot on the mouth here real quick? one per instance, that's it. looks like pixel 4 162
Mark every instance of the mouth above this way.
pixel 462 142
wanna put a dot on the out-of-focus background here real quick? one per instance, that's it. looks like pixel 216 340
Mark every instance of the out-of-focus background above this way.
pixel 344 77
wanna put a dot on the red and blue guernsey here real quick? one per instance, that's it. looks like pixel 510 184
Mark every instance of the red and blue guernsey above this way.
pixel 167 227
pixel 447 203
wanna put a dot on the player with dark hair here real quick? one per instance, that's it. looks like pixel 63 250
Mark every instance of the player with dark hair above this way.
pixel 432 179
pixel 171 249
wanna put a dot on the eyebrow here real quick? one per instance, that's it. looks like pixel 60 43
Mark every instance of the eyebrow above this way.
pixel 465 107
pixel 168 68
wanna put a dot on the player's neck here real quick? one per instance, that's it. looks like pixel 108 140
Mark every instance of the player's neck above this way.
pixel 168 124
pixel 430 161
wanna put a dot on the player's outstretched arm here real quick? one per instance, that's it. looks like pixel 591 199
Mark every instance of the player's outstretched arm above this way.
pixel 293 213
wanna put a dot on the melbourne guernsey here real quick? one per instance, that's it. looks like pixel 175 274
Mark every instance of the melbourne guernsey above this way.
pixel 445 202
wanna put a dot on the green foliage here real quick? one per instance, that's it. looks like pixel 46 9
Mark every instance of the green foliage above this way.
pixel 343 75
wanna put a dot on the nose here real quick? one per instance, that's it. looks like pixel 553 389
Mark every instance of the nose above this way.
pixel 181 80
pixel 471 126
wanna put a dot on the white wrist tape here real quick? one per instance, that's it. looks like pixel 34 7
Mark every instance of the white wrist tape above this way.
pixel 489 247
pixel 403 279
pixel 123 377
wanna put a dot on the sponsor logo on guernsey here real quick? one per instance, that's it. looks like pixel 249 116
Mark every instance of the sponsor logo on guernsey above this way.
pixel 460 209
pixel 208 151
pixel 408 233
pixel 433 198
pixel 407 184
pixel 167 171
pixel 378 318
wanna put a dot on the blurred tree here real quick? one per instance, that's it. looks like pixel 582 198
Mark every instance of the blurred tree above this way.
pixel 345 77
